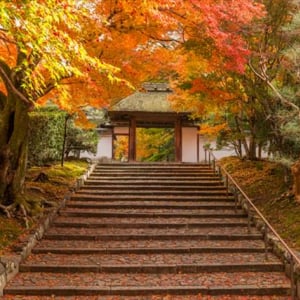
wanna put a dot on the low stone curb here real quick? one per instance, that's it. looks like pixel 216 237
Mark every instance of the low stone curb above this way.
pixel 274 245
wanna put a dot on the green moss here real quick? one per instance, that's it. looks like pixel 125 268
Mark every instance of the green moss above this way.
pixel 70 169
pixel 265 183
pixel 10 229
pixel 37 196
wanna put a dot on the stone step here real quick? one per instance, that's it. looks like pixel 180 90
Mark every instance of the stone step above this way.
pixel 153 187
pixel 153 250
pixel 153 182
pixel 118 197
pixel 152 222
pixel 131 244
pixel 168 213
pixel 154 192
pixel 101 284
pixel 70 223
pixel 146 204
pixel 153 166
pixel 151 231
pixel 155 269
pixel 151 237
pixel 145 178
pixel 158 297
pixel 156 169
pixel 149 175
pixel 168 165
pixel 92 231
pixel 149 260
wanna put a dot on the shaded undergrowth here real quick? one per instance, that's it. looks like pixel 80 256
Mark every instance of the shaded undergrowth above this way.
pixel 268 184
pixel 45 188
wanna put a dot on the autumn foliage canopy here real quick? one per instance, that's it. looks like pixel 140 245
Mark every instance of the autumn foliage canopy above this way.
pixel 72 51
pixel 91 53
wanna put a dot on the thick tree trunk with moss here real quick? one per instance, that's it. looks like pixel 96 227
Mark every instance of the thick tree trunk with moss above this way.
pixel 13 149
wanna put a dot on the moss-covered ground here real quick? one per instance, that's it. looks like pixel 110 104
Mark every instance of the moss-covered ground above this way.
pixel 43 194
pixel 268 184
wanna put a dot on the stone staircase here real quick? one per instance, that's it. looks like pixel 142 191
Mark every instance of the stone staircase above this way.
pixel 146 231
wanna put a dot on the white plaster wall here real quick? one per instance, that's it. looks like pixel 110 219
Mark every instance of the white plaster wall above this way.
pixel 189 144
pixel 225 151
pixel 218 153
pixel 104 148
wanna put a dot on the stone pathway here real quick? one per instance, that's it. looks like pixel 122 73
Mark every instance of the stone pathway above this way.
pixel 156 231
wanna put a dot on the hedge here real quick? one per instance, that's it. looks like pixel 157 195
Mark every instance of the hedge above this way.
pixel 46 135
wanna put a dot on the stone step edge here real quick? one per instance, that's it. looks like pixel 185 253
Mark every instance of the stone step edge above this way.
pixel 154 192
pixel 157 166
pixel 73 224
pixel 284 290
pixel 166 182
pixel 85 214
pixel 157 250
pixel 152 268
pixel 152 206
pixel 152 170
pixel 126 237
pixel 155 170
pixel 180 188
pixel 157 176
pixel 89 197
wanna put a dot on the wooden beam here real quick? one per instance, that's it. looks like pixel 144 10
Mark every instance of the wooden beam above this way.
pixel 132 140
pixel 178 140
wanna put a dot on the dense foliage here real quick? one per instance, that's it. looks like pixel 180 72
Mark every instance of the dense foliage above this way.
pixel 259 110
pixel 80 140
pixel 72 51
pixel 46 136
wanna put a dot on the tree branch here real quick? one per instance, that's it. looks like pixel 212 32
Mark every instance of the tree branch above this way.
pixel 9 84
pixel 264 77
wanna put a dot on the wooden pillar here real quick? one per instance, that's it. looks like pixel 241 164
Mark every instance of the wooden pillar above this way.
pixel 178 140
pixel 132 140
pixel 198 147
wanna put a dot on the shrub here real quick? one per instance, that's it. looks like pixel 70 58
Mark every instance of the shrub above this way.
pixel 46 135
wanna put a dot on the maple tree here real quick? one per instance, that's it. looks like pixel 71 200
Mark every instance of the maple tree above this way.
pixel 40 47
pixel 72 51
pixel 246 108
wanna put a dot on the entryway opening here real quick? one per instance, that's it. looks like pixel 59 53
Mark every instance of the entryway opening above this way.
pixel 152 145
pixel 155 145
pixel 120 147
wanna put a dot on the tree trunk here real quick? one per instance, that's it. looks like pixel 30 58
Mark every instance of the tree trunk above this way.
pixel 14 121
pixel 296 178
pixel 242 138
pixel 252 148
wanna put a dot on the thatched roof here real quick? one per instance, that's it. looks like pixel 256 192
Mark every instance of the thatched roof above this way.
pixel 146 102
pixel 153 99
